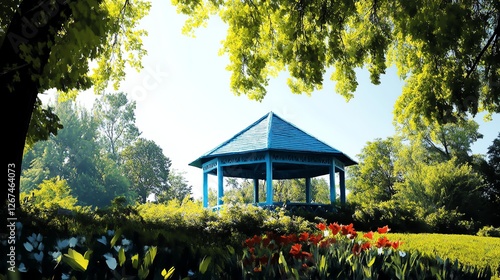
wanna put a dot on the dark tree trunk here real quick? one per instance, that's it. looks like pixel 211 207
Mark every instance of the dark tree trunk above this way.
pixel 20 96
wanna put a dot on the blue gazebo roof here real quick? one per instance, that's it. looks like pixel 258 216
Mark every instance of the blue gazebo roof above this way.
pixel 272 133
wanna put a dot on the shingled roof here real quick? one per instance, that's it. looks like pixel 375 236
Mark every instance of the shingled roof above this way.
pixel 272 133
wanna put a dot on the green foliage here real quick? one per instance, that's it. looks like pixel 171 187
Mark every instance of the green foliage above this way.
pixel 449 71
pixel 44 123
pixel 489 231
pixel 422 180
pixel 443 186
pixel 75 156
pixel 292 190
pixel 116 118
pixel 146 167
pixel 179 187
pixel 176 213
pixel 68 46
pixel 491 171
pixel 51 193
pixel 374 177
pixel 404 217
pixel 443 142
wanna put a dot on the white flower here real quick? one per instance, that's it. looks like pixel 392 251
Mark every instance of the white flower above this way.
pixel 81 241
pixel 61 244
pixel 402 254
pixel 103 240
pixel 55 255
pixel 110 261
pixel 65 276
pixel 380 251
pixel 22 267
pixel 38 256
pixel 39 238
pixel 32 238
pixel 111 232
pixel 72 242
pixel 28 246
pixel 326 233
pixel 40 246
pixel 117 248
pixel 190 273
pixel 125 242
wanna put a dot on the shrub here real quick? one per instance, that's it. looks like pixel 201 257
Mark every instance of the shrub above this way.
pixel 489 231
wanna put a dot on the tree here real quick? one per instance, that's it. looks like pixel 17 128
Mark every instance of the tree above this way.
pixel 74 156
pixel 179 187
pixel 117 127
pixel 447 184
pixel 416 186
pixel 447 52
pixel 320 190
pixel 147 168
pixel 373 179
pixel 444 141
pixel 491 171
pixel 50 45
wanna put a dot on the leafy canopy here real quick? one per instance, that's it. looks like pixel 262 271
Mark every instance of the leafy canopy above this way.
pixel 68 46
pixel 447 52
pixel 103 33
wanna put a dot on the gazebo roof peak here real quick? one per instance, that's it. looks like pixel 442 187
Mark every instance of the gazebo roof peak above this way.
pixel 272 133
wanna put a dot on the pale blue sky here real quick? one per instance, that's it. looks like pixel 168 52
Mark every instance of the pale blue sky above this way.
pixel 184 103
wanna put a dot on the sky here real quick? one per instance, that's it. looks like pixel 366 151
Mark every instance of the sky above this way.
pixel 184 103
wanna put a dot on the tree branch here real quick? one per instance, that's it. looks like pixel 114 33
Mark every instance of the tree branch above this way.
pixel 478 57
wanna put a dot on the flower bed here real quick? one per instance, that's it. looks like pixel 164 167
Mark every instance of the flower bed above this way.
pixel 337 252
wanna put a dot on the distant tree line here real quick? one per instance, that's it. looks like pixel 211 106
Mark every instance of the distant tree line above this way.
pixel 99 155
pixel 427 179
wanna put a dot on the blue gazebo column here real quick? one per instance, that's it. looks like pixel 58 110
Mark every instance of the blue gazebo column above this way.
pixel 255 190
pixel 220 183
pixel 333 193
pixel 308 190
pixel 342 186
pixel 205 189
pixel 269 180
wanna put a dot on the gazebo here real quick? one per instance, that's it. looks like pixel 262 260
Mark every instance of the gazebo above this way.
pixel 272 148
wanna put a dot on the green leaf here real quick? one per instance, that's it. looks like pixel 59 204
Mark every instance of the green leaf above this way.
pixel 167 274
pixel 135 261
pixel 230 249
pixel 372 261
pixel 282 261
pixel 121 256
pixel 87 254
pixel 117 235
pixel 143 272
pixel 150 256
pixel 204 264
pixel 76 260
pixel 322 264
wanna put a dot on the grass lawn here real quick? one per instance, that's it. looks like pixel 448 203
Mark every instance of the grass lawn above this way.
pixel 468 249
